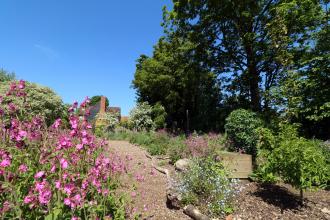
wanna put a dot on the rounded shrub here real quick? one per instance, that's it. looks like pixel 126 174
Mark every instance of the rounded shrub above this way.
pixel 38 101
pixel 241 128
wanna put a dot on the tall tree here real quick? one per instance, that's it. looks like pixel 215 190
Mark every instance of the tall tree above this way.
pixel 249 43
pixel 175 79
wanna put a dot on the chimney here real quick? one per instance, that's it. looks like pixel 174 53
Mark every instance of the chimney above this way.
pixel 102 105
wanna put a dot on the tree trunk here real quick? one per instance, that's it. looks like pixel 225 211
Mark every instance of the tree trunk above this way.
pixel 253 80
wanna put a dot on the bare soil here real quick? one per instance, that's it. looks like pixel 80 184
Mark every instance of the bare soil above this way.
pixel 148 184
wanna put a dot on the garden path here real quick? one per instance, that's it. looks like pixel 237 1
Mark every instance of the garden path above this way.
pixel 150 185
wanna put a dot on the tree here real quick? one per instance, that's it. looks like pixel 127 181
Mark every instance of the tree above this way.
pixel 307 88
pixel 249 44
pixel 173 78
pixel 95 99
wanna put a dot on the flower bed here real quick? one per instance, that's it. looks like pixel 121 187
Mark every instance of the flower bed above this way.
pixel 57 172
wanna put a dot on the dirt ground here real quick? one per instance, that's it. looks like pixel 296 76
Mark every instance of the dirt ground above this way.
pixel 147 188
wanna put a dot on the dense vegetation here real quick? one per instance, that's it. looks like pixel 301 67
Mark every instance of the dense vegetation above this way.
pixel 271 57
pixel 53 172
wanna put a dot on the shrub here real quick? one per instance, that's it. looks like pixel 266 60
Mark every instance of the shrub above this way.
pixel 141 117
pixel 159 115
pixel 241 128
pixel 300 162
pixel 108 120
pixel 53 173
pixel 207 185
pixel 38 101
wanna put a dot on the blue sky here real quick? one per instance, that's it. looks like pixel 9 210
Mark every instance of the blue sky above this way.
pixel 79 47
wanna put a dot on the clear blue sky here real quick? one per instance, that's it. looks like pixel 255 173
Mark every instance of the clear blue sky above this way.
pixel 79 47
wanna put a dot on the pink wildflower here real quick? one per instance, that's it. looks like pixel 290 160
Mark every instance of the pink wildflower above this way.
pixel 57 123
pixel 5 163
pixel 39 174
pixel 64 163
pixel 28 199
pixel 22 168
pixel 79 146
pixel 21 84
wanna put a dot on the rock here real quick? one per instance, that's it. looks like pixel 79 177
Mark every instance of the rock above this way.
pixel 229 217
pixel 194 213
pixel 182 165
pixel 326 211
pixel 173 200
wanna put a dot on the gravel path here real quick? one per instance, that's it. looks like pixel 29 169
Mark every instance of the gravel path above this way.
pixel 148 184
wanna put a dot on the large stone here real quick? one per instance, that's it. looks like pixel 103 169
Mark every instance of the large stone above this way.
pixel 182 165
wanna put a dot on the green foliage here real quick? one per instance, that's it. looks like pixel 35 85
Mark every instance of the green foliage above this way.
pixel 177 148
pixel 156 143
pixel 307 89
pixel 6 76
pixel 300 162
pixel 207 185
pixel 141 117
pixel 95 99
pixel 174 79
pixel 109 120
pixel 241 128
pixel 42 101
pixel 159 115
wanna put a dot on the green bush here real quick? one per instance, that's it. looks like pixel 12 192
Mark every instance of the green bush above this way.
pixel 159 116
pixel 207 185
pixel 42 101
pixel 298 161
pixel 241 128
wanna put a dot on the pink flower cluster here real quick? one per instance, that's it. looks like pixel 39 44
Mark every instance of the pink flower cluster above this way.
pixel 197 146
pixel 67 163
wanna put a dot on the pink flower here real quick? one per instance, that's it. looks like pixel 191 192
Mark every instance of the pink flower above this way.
pixel 139 177
pixel 68 188
pixel 57 123
pixel 22 134
pixel 74 218
pixel 28 199
pixel 39 174
pixel 40 185
pixel 64 163
pixel 21 84
pixel 45 196
pixel 79 146
pixel 84 133
pixel 22 168
pixel 133 194
pixel 12 107
pixel 5 207
pixel 67 201
pixel 57 184
pixel 53 169
pixel 5 163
